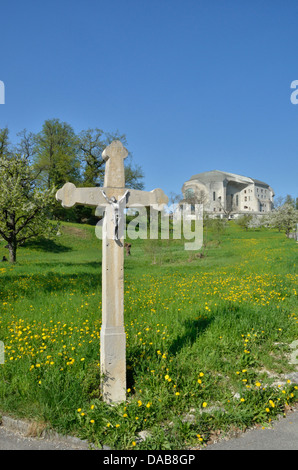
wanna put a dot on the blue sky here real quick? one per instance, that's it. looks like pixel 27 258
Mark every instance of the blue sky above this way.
pixel 195 85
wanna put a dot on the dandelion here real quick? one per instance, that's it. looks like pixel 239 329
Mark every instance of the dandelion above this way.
pixel 204 404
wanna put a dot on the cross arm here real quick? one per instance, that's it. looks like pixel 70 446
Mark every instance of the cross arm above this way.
pixel 69 195
pixel 146 198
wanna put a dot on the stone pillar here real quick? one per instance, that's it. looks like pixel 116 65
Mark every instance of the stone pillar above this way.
pixel 113 337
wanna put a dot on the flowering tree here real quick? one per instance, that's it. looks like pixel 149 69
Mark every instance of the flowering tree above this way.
pixel 284 218
pixel 24 207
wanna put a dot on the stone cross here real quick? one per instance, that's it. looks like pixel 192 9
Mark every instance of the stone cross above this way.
pixel 113 195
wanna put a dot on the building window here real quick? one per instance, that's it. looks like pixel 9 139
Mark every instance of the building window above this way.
pixel 189 193
pixel 237 200
pixel 213 195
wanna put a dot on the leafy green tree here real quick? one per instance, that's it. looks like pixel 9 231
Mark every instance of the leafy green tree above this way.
pixel 56 154
pixel 24 207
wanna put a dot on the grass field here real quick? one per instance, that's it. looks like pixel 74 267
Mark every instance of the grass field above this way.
pixel 207 338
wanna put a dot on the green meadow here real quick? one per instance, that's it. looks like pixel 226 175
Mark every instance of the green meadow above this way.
pixel 208 338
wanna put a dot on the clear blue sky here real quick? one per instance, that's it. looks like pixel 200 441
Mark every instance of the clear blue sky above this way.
pixel 195 85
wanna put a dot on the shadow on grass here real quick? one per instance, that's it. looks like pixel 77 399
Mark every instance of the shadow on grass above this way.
pixel 192 329
pixel 44 244
pixel 39 284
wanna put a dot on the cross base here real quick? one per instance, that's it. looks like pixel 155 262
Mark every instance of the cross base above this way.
pixel 113 364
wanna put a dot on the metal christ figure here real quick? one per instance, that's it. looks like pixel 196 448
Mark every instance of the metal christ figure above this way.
pixel 117 212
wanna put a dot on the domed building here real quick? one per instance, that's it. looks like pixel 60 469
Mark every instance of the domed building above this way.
pixel 226 194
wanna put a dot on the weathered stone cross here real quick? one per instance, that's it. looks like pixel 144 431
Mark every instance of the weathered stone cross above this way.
pixel 112 196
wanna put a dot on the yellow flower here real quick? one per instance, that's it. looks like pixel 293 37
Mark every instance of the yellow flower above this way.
pixel 117 425
pixel 177 393
pixel 271 403
pixel 134 443
pixel 92 421
pixel 125 415
pixel 258 384
pixel 205 404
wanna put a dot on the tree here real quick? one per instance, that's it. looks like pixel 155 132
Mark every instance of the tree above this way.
pixel 92 143
pixel 283 218
pixel 244 221
pixel 24 207
pixel 91 146
pixel 133 176
pixel 4 142
pixel 26 146
pixel 56 154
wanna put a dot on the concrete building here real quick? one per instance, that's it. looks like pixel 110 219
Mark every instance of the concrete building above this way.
pixel 225 194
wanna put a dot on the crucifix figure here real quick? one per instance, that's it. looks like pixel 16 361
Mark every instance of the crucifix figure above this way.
pixel 114 197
